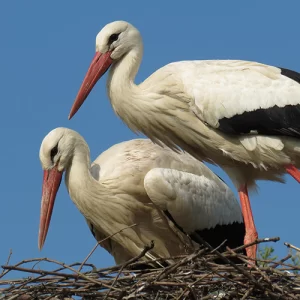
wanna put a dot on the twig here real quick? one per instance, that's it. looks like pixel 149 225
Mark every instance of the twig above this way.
pixel 280 262
pixel 256 242
pixel 7 262
pixel 89 255
pixel 292 246
pixel 192 284
pixel 173 267
pixel 103 240
pixel 134 259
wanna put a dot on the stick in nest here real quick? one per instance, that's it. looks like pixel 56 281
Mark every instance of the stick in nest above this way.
pixel 193 276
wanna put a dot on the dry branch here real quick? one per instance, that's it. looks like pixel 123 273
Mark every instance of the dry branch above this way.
pixel 194 276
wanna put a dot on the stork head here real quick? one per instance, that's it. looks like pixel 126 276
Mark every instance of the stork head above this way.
pixel 114 41
pixel 56 153
pixel 117 38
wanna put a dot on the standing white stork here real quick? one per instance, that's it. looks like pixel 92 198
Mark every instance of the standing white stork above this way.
pixel 167 195
pixel 243 116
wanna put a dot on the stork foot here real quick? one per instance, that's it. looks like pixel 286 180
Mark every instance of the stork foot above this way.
pixel 293 171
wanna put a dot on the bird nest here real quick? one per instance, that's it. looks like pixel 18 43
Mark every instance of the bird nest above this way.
pixel 193 276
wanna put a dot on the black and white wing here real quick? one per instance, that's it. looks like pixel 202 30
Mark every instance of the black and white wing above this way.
pixel 241 97
pixel 198 204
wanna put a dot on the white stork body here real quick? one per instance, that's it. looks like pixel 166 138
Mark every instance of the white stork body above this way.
pixel 166 194
pixel 243 116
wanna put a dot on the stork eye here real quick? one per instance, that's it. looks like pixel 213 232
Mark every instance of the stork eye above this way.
pixel 53 152
pixel 113 38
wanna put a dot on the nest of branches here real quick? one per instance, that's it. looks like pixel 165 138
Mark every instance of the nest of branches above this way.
pixel 194 276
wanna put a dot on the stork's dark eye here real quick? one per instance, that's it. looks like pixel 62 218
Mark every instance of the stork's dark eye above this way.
pixel 53 152
pixel 113 38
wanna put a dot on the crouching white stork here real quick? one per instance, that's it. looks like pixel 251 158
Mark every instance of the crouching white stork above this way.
pixel 167 195
pixel 243 116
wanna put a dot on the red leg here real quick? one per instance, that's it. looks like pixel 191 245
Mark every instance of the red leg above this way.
pixel 251 233
pixel 293 171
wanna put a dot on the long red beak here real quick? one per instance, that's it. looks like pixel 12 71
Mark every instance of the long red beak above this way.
pixel 51 183
pixel 98 67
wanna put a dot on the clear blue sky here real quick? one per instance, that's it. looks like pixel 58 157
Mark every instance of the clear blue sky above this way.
pixel 46 48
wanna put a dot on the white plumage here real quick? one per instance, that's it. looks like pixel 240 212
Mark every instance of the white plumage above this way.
pixel 195 202
pixel 225 88
pixel 138 182
pixel 243 116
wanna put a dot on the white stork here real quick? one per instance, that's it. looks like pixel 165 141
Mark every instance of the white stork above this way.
pixel 167 195
pixel 243 116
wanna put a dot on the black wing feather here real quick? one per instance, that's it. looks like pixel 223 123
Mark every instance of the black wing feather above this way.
pixel 274 120
pixel 234 234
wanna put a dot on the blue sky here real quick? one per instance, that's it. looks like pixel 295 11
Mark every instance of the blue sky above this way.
pixel 46 48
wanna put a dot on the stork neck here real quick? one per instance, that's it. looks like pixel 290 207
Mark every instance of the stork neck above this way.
pixel 79 181
pixel 122 74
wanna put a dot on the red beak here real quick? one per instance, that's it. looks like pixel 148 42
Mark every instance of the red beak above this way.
pixel 98 67
pixel 51 183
